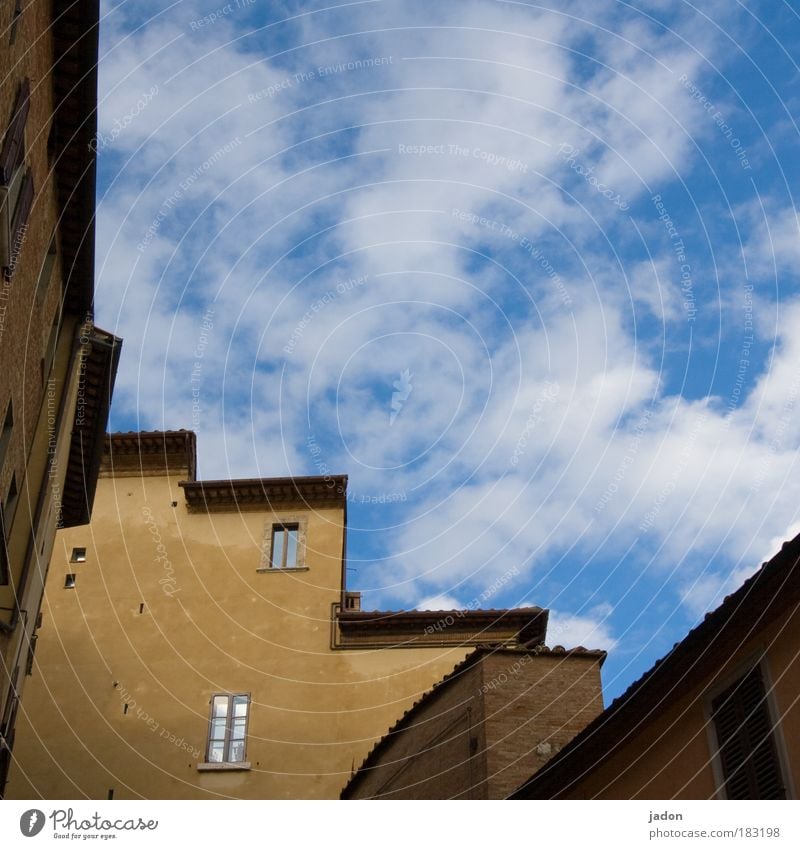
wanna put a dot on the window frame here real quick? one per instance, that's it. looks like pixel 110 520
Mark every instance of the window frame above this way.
pixel 17 190
pixel 282 522
pixel 46 270
pixel 5 560
pixel 6 432
pixel 228 740
pixel 285 530
pixel 12 152
pixel 741 671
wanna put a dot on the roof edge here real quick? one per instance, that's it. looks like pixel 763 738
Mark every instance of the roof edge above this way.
pixel 762 597
pixel 476 654
pixel 308 491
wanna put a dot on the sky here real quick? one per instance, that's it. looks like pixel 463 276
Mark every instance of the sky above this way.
pixel 527 273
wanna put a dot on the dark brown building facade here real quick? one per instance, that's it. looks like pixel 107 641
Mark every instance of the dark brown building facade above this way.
pixel 56 368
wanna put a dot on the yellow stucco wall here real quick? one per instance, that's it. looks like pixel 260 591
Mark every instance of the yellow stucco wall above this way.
pixel 673 756
pixel 210 623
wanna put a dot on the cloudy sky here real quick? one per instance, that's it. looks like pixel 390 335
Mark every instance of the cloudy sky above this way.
pixel 528 274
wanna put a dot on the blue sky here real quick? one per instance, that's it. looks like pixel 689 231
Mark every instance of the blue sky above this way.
pixel 526 273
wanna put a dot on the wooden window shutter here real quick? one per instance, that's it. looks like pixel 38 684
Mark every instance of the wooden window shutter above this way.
pixel 4 565
pixel 20 221
pixel 13 152
pixel 747 749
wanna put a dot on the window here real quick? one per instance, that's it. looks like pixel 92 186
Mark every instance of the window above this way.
pixel 284 546
pixel 11 501
pixel 227 732
pixel 3 547
pixel 69 581
pixel 16 184
pixel 747 752
pixel 50 350
pixel 15 21
pixel 46 271
pixel 5 435
pixel 78 555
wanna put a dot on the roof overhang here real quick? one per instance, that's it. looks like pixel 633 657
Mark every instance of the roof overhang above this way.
pixel 409 628
pixel 98 362
pixel 261 493
pixel 150 454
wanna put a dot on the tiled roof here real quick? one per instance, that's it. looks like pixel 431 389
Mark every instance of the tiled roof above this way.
pixel 98 371
pixel 774 588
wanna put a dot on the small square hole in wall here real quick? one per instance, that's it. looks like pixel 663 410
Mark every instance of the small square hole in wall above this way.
pixel 78 555
pixel 69 581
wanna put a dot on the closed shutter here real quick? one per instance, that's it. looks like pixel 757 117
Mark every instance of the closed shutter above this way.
pixel 19 223
pixel 3 548
pixel 13 151
pixel 747 749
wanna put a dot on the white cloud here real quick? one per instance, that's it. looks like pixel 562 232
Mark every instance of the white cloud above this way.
pixel 592 631
pixel 439 602
pixel 539 418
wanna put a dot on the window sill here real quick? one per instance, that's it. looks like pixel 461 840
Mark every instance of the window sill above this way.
pixel 223 767
pixel 288 569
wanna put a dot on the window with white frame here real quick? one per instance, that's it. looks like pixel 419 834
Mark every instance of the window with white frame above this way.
pixel 227 732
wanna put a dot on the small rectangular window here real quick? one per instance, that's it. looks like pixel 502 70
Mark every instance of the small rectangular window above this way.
pixel 5 435
pixel 284 546
pixel 46 270
pixel 3 547
pixel 69 581
pixel 12 154
pixel 747 751
pixel 31 654
pixel 50 351
pixel 17 206
pixel 16 184
pixel 227 732
pixel 11 501
pixel 15 21
pixel 78 555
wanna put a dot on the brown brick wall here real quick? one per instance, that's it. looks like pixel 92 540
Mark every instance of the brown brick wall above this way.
pixel 535 704
pixel 521 707
pixel 26 321
pixel 671 758
pixel 27 314
pixel 441 754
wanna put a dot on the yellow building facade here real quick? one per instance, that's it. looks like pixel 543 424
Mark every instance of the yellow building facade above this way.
pixel 198 640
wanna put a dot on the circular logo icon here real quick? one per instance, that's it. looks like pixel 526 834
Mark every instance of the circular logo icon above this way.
pixel 31 822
